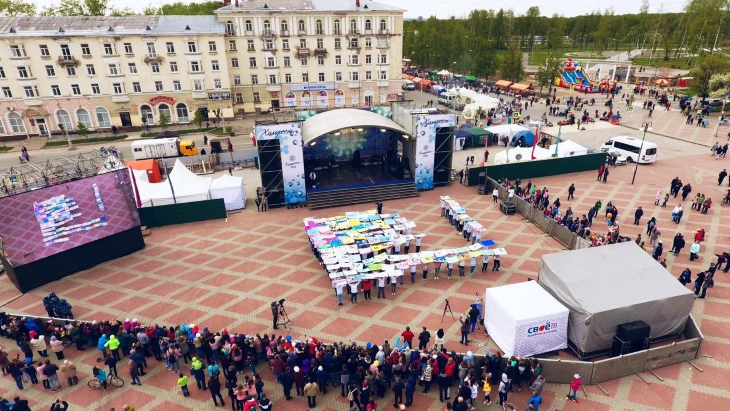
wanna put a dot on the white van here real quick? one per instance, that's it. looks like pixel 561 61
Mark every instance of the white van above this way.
pixel 632 149
pixel 451 100
pixel 408 85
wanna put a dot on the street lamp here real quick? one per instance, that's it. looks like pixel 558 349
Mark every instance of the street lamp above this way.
pixel 646 126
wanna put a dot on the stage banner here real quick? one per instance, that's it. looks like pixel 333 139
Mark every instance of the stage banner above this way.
pixel 292 158
pixel 426 146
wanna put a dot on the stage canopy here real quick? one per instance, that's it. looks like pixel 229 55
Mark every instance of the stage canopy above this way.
pixel 231 190
pixel 525 320
pixel 333 120
pixel 611 285
pixel 188 187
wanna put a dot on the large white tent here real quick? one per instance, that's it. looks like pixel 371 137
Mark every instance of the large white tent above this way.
pixel 474 101
pixel 187 186
pixel 231 190
pixel 568 148
pixel 520 155
pixel 524 320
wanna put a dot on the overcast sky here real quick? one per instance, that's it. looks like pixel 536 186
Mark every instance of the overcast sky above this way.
pixel 461 8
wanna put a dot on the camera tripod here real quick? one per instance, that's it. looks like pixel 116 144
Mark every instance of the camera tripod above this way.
pixel 282 314
pixel 447 307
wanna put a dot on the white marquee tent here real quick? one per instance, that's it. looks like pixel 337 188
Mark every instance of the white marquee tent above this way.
pixel 188 187
pixel 524 320
pixel 231 190
pixel 568 148
pixel 520 155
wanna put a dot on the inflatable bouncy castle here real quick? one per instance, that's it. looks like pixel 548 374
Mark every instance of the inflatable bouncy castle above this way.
pixel 573 75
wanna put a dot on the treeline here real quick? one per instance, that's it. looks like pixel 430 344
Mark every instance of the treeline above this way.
pixel 475 43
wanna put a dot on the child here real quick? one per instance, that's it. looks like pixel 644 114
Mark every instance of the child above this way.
pixel 182 382
pixel 658 196
pixel 44 378
pixel 31 372
pixel 666 198
pixel 487 388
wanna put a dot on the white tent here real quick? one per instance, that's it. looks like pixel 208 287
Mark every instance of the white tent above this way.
pixel 231 190
pixel 524 320
pixel 568 148
pixel 473 101
pixel 444 72
pixel 506 129
pixel 188 187
pixel 520 155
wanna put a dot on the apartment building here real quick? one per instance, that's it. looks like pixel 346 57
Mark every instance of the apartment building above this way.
pixel 312 53
pixel 59 72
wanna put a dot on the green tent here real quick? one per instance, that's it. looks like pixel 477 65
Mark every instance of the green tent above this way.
pixel 470 78
pixel 479 136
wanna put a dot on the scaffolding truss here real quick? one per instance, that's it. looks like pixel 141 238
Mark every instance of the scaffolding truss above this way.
pixel 33 176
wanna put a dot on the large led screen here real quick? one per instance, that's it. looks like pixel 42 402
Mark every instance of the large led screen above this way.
pixel 41 223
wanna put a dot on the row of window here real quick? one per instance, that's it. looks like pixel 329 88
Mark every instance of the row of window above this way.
pixel 103 120
pixel 113 69
pixel 302 26
pixel 321 77
pixel 109 49
pixel 353 59
pixel 117 88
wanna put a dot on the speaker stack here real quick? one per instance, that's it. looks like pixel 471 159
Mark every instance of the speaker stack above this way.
pixel 507 208
pixel 631 337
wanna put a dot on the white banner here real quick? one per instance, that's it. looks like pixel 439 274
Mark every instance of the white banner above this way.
pixel 426 146
pixel 292 158
pixel 541 336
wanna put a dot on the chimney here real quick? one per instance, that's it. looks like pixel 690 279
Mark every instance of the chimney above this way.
pixel 357 3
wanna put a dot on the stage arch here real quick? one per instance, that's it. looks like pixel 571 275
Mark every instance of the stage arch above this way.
pixel 333 120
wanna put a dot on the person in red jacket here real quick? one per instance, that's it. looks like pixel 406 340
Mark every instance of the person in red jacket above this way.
pixel 408 336
pixel 450 369
pixel 367 286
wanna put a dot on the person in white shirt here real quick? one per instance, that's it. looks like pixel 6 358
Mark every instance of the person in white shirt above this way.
pixel 408 245
pixel 477 237
pixel 495 195
pixel 353 291
pixel 436 269
pixel 397 242
pixel 496 263
pixel 418 244
pixel 485 263
pixel 443 208
pixel 462 264
pixel 381 287
pixel 339 288
pixel 394 282
pixel 510 195
pixel 413 273
pixel 467 231
pixel 425 272
pixel 450 268
pixel 473 264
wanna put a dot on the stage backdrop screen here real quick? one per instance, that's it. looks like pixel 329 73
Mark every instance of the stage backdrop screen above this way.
pixel 41 223
pixel 426 128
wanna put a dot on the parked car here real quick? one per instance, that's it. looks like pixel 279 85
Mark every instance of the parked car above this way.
pixel 168 134
pixel 620 160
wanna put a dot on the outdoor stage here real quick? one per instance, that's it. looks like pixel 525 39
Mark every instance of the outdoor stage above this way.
pixel 345 175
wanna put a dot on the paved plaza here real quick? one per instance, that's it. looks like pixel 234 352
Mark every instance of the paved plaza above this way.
pixel 224 274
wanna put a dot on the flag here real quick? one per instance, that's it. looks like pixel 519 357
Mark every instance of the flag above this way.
pixel 534 143
pixel 557 141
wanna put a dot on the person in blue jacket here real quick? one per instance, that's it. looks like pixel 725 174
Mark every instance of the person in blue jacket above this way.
pixel 534 402
pixel 410 389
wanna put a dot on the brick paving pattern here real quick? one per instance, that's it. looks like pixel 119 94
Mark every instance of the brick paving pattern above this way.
pixel 225 274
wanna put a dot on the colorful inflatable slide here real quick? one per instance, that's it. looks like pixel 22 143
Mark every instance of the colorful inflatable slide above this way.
pixel 573 75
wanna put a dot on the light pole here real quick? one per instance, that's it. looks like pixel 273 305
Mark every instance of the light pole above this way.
pixel 646 126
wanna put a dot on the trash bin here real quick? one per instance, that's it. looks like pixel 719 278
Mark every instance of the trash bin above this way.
pixel 256 162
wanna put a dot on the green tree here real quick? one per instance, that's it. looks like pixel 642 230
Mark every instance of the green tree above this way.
pixel 82 130
pixel 126 11
pixel 547 73
pixel 164 121
pixel 198 119
pixel 702 75
pixel 510 65
pixel 77 8
pixel 719 85
pixel 9 8
pixel 207 8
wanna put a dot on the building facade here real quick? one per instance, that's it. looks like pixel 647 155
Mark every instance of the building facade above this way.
pixel 59 72
pixel 312 54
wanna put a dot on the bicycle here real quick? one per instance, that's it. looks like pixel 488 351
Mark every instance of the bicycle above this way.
pixel 112 380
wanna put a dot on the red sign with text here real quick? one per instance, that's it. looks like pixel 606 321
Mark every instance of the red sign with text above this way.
pixel 162 99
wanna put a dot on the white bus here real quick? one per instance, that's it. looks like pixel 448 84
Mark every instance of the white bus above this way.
pixel 632 149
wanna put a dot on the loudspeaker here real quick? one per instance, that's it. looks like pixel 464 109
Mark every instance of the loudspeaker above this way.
pixel 507 209
pixel 482 178
pixel 633 331
pixel 619 347
pixel 442 159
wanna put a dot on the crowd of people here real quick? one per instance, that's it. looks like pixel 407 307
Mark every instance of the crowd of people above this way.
pixel 223 360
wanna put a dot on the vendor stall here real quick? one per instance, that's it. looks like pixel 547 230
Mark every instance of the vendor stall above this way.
pixel 525 320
